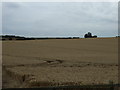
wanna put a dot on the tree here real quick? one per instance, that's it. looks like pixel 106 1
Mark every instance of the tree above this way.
pixel 94 36
pixel 85 36
pixel 89 35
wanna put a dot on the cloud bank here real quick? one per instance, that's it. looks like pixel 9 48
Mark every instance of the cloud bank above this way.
pixel 52 19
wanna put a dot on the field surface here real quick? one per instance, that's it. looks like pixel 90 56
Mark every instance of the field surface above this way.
pixel 60 62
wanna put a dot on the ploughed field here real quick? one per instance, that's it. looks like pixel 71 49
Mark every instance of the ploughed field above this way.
pixel 60 62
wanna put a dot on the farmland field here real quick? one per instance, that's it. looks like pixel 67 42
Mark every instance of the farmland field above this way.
pixel 60 62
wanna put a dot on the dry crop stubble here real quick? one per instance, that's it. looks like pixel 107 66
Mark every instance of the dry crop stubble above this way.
pixel 63 61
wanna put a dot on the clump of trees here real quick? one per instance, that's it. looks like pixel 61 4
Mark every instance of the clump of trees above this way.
pixel 89 35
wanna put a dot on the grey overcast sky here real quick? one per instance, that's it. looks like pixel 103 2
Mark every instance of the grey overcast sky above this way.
pixel 51 19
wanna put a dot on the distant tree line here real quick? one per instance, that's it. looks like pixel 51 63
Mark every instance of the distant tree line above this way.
pixel 13 37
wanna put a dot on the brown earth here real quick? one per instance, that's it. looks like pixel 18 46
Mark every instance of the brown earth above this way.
pixel 58 62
